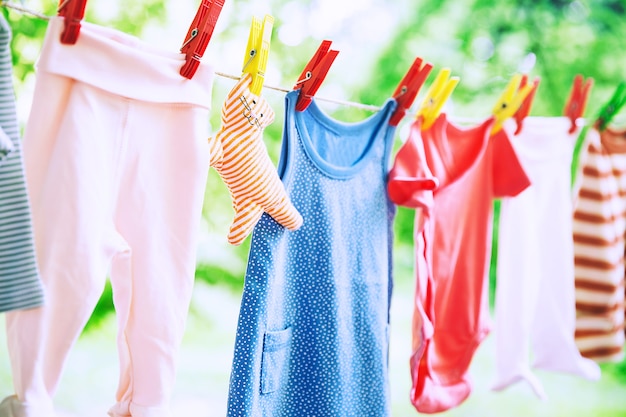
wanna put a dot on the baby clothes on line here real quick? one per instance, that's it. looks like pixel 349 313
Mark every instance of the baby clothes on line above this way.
pixel 241 159
pixel 599 228
pixel 453 244
pixel 312 337
pixel 535 306
pixel 117 161
pixel 20 283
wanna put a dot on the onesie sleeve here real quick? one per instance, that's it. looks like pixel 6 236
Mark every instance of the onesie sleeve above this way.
pixel 509 177
pixel 410 182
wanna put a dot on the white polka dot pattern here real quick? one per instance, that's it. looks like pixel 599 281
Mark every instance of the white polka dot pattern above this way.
pixel 312 338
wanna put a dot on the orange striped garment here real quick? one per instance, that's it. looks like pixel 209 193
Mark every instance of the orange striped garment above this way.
pixel 241 159
pixel 599 228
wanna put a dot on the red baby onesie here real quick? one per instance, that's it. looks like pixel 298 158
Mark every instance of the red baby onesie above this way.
pixel 453 245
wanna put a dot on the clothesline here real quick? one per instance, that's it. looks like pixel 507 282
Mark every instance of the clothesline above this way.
pixel 23 9
pixel 362 106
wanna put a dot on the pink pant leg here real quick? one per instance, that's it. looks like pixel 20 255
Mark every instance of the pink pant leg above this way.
pixel 71 193
pixel 158 213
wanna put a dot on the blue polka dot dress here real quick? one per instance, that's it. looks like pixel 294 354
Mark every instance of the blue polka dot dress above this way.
pixel 312 337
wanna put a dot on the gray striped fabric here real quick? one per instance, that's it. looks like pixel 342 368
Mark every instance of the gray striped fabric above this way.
pixel 6 146
pixel 20 284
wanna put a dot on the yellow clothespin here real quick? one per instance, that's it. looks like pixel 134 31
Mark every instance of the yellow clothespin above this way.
pixel 436 96
pixel 509 101
pixel 257 52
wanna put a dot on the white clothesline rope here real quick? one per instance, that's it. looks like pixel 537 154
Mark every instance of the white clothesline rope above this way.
pixel 368 107
pixel 24 9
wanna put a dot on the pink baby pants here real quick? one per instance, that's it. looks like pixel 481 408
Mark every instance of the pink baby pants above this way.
pixel 116 164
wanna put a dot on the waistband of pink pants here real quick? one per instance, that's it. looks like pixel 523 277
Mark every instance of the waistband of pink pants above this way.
pixel 124 65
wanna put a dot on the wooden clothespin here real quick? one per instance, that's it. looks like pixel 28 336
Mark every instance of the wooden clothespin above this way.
pixel 610 109
pixel 408 88
pixel 509 102
pixel 313 74
pixel 524 109
pixel 577 101
pixel 436 96
pixel 257 52
pixel 199 35
pixel 73 12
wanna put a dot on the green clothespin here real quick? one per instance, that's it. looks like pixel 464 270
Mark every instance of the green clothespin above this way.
pixel 613 107
pixel 606 114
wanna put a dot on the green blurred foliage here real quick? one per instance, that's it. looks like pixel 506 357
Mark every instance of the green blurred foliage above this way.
pixel 28 35
pixel 617 370
pixel 486 41
pixel 103 308
pixel 219 275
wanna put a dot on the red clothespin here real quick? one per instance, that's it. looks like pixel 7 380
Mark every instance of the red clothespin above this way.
pixel 313 74
pixel 577 101
pixel 408 88
pixel 524 108
pixel 73 12
pixel 199 35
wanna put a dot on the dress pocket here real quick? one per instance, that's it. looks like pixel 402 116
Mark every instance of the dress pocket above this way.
pixel 274 360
